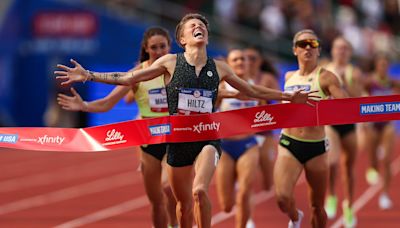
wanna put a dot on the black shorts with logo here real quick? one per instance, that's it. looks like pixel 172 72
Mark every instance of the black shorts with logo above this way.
pixel 156 150
pixel 184 154
pixel 302 151
pixel 344 129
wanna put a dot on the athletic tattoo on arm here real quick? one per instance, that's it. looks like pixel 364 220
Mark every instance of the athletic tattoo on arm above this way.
pixel 110 78
pixel 116 76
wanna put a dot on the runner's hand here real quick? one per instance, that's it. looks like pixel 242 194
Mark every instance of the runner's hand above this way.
pixel 74 103
pixel 302 97
pixel 76 74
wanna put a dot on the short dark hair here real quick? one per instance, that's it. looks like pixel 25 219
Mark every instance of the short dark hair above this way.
pixel 186 18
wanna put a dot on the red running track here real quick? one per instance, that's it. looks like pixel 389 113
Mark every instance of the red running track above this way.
pixel 45 189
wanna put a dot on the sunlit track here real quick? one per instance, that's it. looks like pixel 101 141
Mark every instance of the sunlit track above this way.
pixel 54 159
pixel 107 212
pixel 71 172
pixel 19 156
pixel 369 194
pixel 99 185
pixel 37 165
pixel 102 198
pixel 257 199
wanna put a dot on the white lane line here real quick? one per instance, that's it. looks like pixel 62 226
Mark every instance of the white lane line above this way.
pixel 99 185
pixel 143 201
pixel 258 198
pixel 26 165
pixel 72 172
pixel 368 194
pixel 107 212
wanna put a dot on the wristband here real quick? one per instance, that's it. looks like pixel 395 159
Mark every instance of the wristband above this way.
pixel 89 75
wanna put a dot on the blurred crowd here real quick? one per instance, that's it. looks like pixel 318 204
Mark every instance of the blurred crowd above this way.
pixel 370 25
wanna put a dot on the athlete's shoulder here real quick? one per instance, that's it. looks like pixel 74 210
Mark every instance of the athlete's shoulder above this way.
pixel 222 67
pixel 137 67
pixel 167 60
pixel 169 57
pixel 326 73
pixel 220 62
pixel 289 74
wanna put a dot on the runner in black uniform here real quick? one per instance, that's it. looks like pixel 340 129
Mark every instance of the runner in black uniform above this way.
pixel 186 80
pixel 192 75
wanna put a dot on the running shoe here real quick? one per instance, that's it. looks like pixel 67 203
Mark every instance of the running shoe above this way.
pixel 250 223
pixel 349 218
pixel 330 206
pixel 372 176
pixel 385 202
pixel 298 222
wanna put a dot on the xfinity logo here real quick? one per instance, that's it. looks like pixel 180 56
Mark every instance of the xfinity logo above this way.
pixel 206 127
pixel 263 118
pixel 50 139
pixel 114 137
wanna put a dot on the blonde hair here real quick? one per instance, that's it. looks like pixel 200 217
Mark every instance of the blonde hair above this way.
pixel 344 39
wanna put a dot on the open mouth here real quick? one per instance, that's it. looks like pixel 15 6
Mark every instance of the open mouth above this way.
pixel 198 34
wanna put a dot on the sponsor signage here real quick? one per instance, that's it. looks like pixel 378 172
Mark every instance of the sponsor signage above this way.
pixel 8 138
pixel 380 108
pixel 160 129
pixel 64 24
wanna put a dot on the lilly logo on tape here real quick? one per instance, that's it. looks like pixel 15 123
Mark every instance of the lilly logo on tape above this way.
pixel 114 137
pixel 263 118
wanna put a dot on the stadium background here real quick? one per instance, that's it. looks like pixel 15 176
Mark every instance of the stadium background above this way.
pixel 47 189
pixel 104 35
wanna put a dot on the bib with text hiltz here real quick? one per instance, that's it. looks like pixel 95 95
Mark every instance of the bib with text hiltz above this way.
pixel 195 101
pixel 158 100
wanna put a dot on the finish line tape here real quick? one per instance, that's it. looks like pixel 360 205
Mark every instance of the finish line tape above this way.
pixel 202 127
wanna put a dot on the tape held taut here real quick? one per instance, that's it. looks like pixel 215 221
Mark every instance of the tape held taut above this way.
pixel 202 127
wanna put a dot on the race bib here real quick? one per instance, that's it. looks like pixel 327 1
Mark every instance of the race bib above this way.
pixel 244 104
pixel 233 104
pixel 195 101
pixel 158 100
pixel 297 87
pixel 294 88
